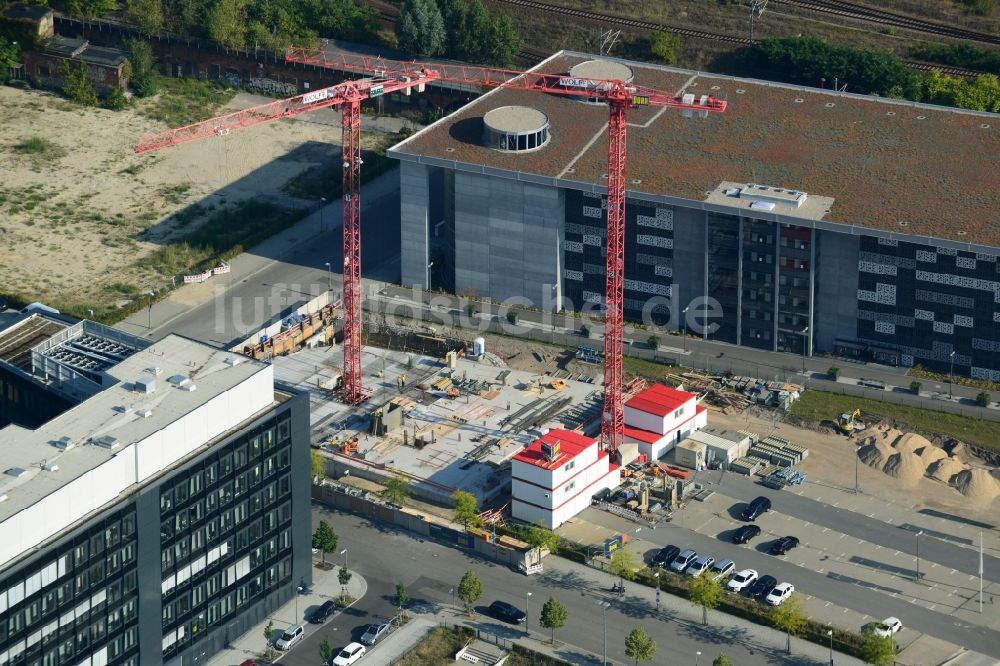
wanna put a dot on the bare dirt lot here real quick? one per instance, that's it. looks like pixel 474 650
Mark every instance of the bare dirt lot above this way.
pixel 78 208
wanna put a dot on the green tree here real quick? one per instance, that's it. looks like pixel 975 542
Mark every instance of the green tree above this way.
pixel 317 465
pixel 144 78
pixel 877 650
pixel 325 539
pixel 623 564
pixel 640 646
pixel 541 537
pixel 401 598
pixel 475 32
pixel 553 616
pixel 789 618
pixel 115 100
pixel 722 660
pixel 326 650
pixel 75 85
pixel 915 387
pixel 470 589
pixel 420 28
pixel 344 577
pixel 984 399
pixel 466 508
pixel 664 44
pixel 833 373
pixel 10 54
pixel 512 316
pixel 504 43
pixel 91 8
pixel 706 592
pixel 653 341
pixel 147 15
pixel 227 23
pixel 453 13
pixel 269 631
pixel 396 490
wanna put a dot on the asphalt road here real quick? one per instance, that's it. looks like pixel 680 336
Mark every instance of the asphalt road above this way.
pixel 872 530
pixel 875 600
pixel 252 302
pixel 430 571
pixel 347 626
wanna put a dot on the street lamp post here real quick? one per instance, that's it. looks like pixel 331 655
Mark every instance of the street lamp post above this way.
pixel 657 577
pixel 918 554
pixel 951 375
pixel 149 318
pixel 344 553
pixel 429 275
pixel 829 632
pixel 527 614
pixel 298 591
pixel 857 455
pixel 697 657
pixel 805 345
pixel 329 276
pixel 605 605
pixel 684 330
pixel 322 205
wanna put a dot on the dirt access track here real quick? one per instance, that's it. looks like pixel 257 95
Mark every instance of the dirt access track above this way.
pixel 76 215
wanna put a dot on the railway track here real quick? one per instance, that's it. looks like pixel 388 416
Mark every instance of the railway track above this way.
pixel 889 19
pixel 534 55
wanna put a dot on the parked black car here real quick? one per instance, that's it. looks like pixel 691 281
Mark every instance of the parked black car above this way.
pixel 783 545
pixel 323 613
pixel 745 533
pixel 665 556
pixel 501 610
pixel 756 508
pixel 763 587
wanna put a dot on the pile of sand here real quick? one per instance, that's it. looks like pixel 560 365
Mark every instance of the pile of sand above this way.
pixel 910 442
pixel 978 485
pixel 945 469
pixel 875 453
pixel 931 454
pixel 905 466
pixel 890 435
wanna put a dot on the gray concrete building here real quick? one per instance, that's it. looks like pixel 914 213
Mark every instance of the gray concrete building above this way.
pixel 162 515
pixel 808 220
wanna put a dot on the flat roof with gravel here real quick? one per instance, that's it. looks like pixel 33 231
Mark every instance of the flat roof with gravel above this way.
pixel 914 170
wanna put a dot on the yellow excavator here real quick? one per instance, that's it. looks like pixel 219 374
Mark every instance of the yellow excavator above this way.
pixel 848 423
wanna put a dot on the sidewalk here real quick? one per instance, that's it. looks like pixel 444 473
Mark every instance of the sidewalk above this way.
pixel 325 586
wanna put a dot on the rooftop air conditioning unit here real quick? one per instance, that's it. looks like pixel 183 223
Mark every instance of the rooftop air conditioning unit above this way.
pixel 63 444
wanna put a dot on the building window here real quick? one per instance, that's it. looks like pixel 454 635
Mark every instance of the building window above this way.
pixel 570 486
pixel 570 465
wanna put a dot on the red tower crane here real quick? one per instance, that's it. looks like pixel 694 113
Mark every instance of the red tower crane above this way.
pixel 348 96
pixel 620 97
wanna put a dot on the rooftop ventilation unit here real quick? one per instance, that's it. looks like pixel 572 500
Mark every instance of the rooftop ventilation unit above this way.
pixel 16 472
pixel 50 467
pixel 63 444
pixel 550 451
pixel 144 413
pixel 189 387
pixel 106 442
pixel 145 385
pixel 233 360
pixel 155 370
pixel 773 195
pixel 3 497
pixel 179 380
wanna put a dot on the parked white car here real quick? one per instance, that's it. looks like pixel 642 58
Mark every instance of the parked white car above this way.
pixel 888 627
pixel 290 637
pixel 742 580
pixel 350 655
pixel 780 592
